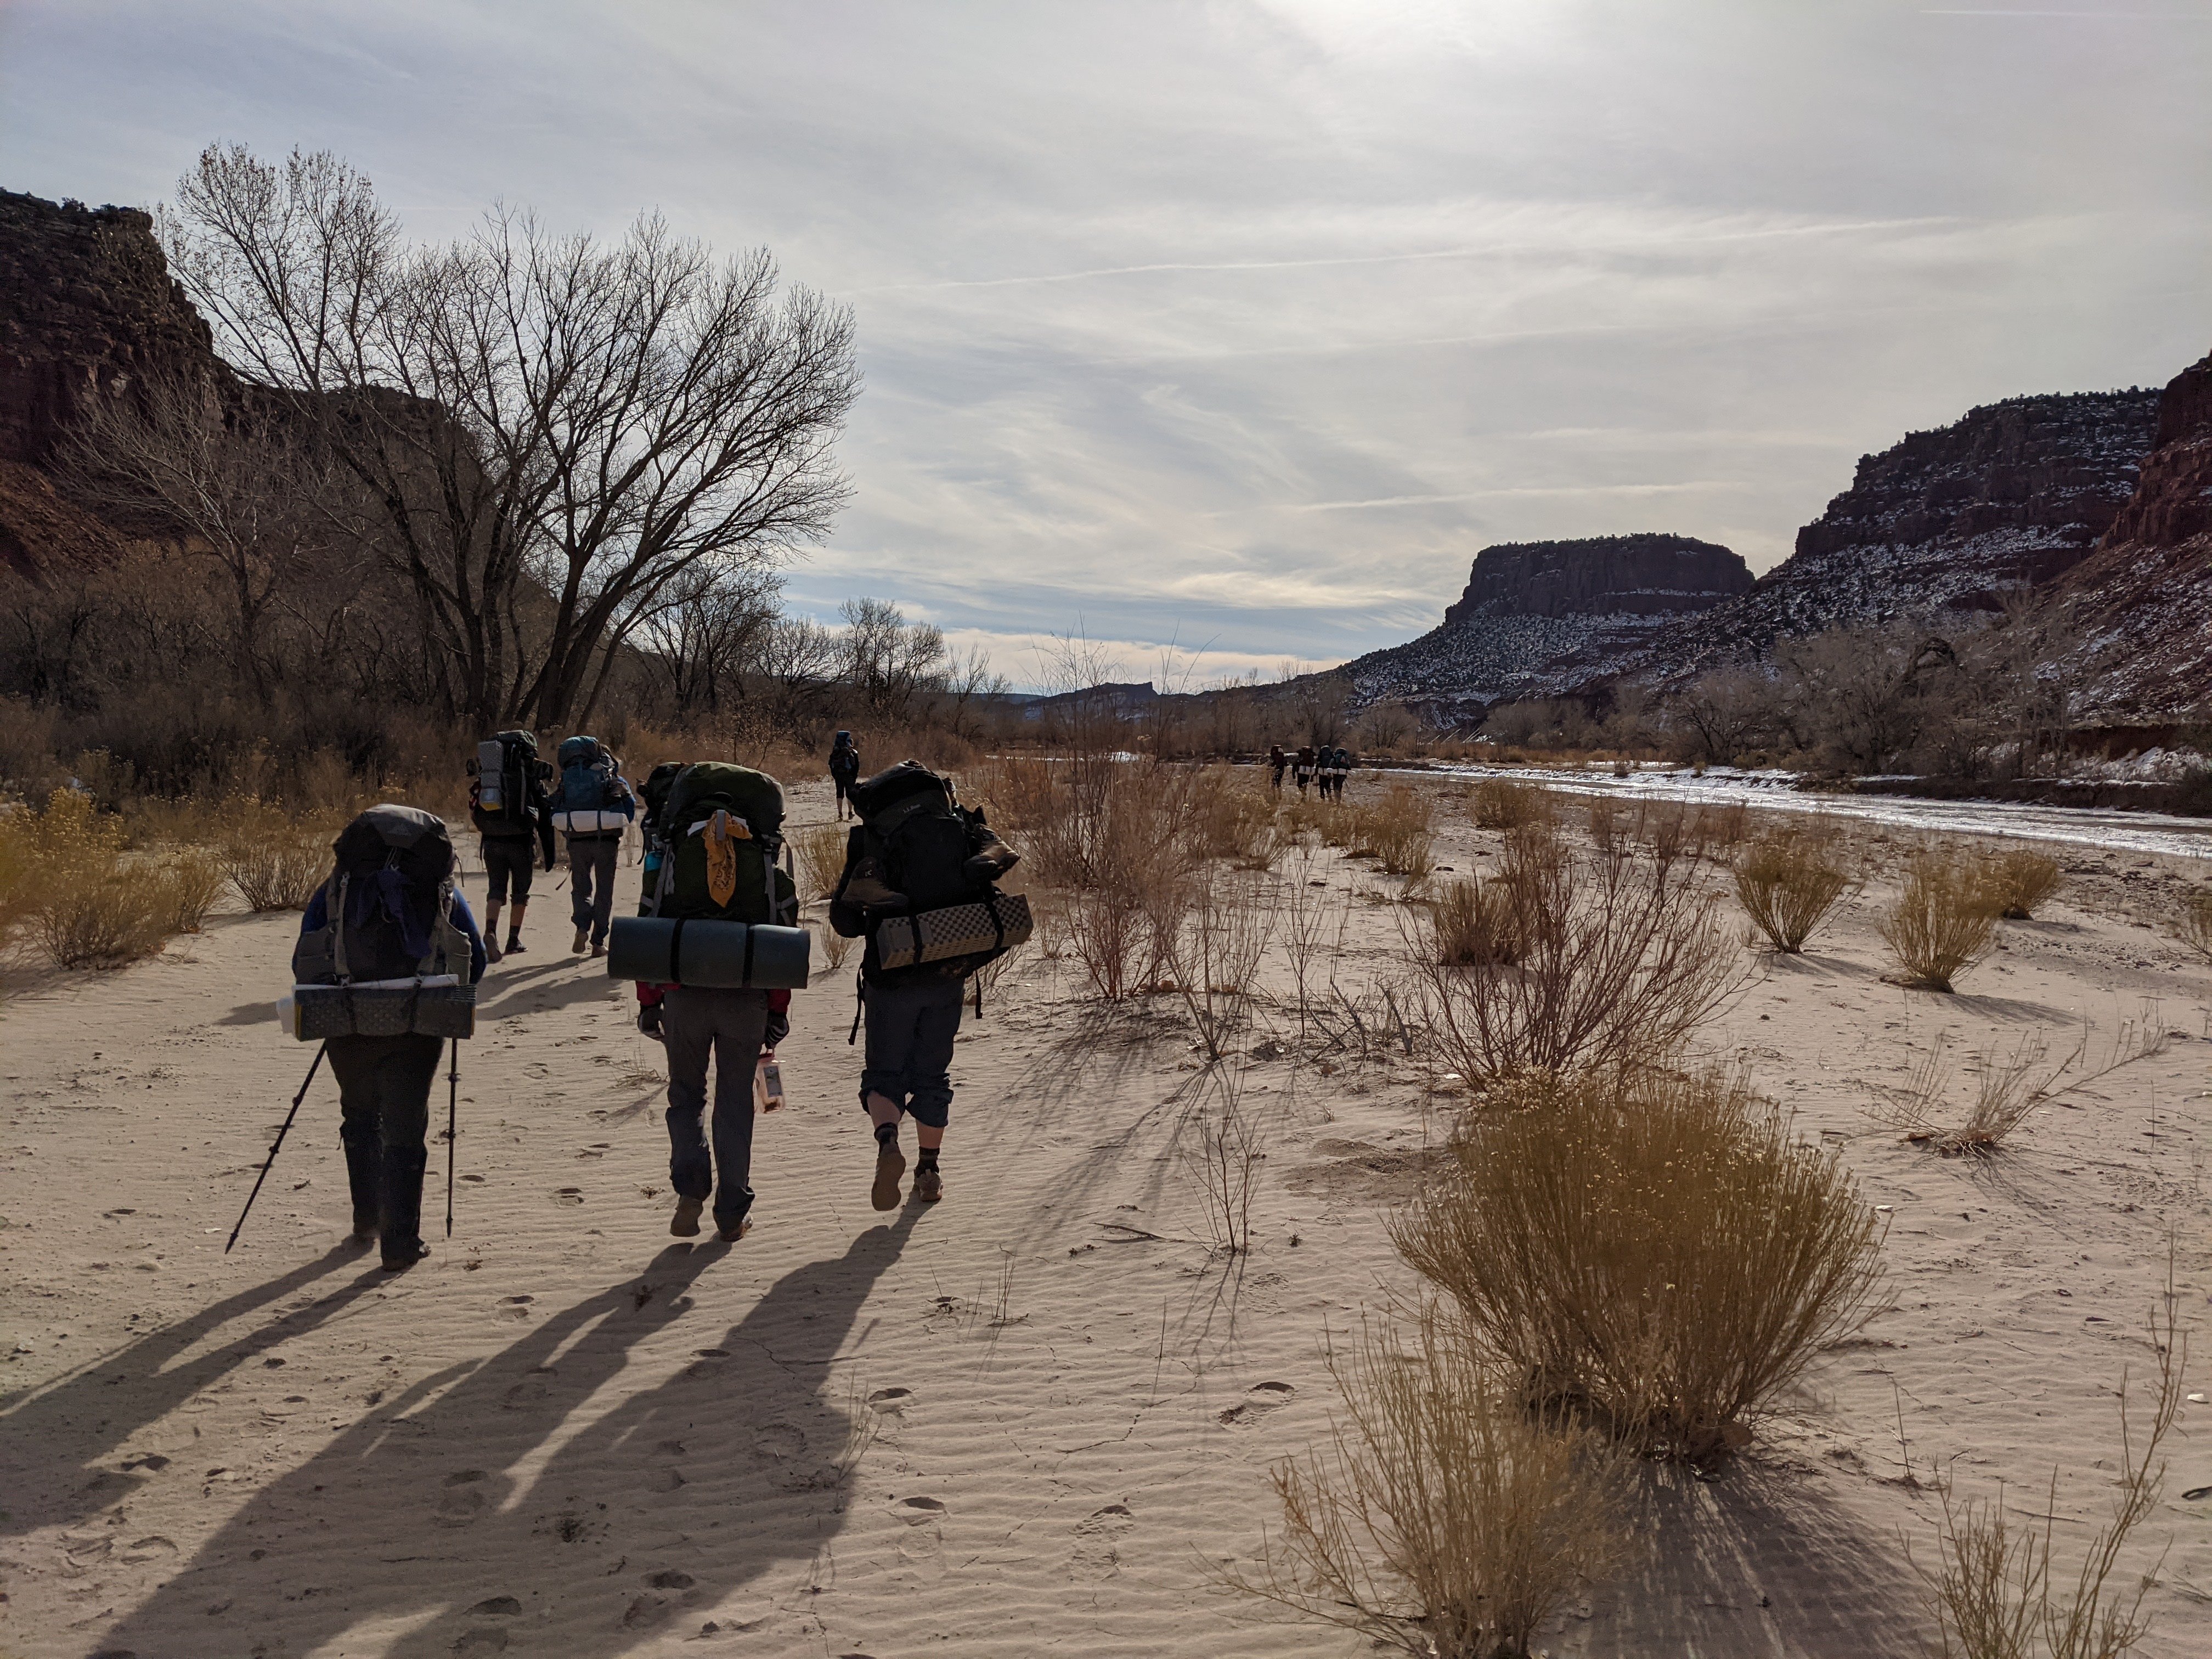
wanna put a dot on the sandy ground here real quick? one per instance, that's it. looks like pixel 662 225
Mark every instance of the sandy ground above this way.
pixel 1035 1418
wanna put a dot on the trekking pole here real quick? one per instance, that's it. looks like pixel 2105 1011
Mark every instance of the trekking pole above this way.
pixel 452 1118
pixel 278 1142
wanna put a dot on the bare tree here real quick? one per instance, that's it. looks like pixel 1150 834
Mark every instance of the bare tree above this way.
pixel 527 409
pixel 709 627
pixel 891 661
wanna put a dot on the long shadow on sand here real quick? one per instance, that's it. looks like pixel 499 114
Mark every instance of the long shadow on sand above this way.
pixel 57 1436
pixel 1755 1563
pixel 487 1505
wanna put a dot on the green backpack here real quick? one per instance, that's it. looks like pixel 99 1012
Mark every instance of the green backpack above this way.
pixel 764 891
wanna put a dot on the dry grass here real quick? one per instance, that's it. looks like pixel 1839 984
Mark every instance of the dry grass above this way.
pixel 1941 923
pixel 1226 1157
pixel 1441 1518
pixel 821 849
pixel 2008 1087
pixel 66 879
pixel 276 861
pixel 1502 803
pixel 193 883
pixel 1398 829
pixel 836 950
pixel 2193 927
pixel 2018 883
pixel 1619 958
pixel 1651 1248
pixel 1215 955
pixel 1997 1591
pixel 1473 926
pixel 1233 818
pixel 1788 883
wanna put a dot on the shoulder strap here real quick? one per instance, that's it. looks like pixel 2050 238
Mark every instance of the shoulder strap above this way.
pixel 334 904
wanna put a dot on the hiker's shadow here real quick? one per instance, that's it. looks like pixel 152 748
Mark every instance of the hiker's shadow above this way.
pixel 60 1436
pixel 483 1501
pixel 532 989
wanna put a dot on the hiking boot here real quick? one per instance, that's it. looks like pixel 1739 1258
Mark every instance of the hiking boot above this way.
pixel 928 1185
pixel 598 951
pixel 513 946
pixel 492 952
pixel 735 1231
pixel 890 1164
pixel 398 1261
pixel 684 1223
pixel 582 940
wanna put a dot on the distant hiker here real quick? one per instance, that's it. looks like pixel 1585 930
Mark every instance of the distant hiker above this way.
pixel 389 910
pixel 721 827
pixel 844 768
pixel 1303 770
pixel 1277 761
pixel 1343 769
pixel 593 806
pixel 508 806
pixel 915 850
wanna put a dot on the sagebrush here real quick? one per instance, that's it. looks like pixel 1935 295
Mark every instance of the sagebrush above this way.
pixel 1789 883
pixel 1943 921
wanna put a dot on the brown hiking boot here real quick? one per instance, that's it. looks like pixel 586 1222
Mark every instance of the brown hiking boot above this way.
pixel 684 1223
pixel 890 1164
pixel 732 1235
pixel 582 942
pixel 928 1185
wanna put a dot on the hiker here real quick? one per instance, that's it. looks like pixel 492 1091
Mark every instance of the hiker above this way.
pixel 844 768
pixel 653 795
pixel 1304 769
pixel 915 849
pixel 721 827
pixel 1344 765
pixel 592 807
pixel 389 910
pixel 508 806
pixel 1277 760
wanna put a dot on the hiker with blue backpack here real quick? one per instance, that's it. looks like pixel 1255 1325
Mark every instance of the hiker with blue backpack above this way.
pixel 388 914
pixel 593 806
pixel 920 885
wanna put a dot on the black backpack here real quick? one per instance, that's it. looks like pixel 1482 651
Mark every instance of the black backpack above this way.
pixel 916 839
pixel 407 856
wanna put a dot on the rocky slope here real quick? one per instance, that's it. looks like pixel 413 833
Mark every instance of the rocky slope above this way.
pixel 1537 616
pixel 2139 609
pixel 2014 492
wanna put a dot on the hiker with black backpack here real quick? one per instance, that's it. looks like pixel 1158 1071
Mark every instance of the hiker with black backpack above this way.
pixel 719 830
pixel 508 806
pixel 844 768
pixel 1277 760
pixel 918 862
pixel 593 806
pixel 388 914
pixel 1303 769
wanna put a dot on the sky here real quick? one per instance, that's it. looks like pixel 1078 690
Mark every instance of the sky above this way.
pixel 1222 334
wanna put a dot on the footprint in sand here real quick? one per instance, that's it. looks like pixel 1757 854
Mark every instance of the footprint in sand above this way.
pixel 891 1399
pixel 569 1195
pixel 1098 1537
pixel 778 1442
pixel 464 1498
pixel 1259 1399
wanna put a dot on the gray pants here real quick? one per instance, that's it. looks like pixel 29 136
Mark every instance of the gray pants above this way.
pixel 910 1031
pixel 696 1023
pixel 592 883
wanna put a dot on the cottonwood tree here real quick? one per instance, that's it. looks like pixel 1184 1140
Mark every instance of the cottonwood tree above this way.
pixel 527 413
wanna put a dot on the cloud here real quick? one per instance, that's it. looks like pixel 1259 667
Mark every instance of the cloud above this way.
pixel 1248 324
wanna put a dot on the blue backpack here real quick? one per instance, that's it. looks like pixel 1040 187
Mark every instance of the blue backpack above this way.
pixel 590 798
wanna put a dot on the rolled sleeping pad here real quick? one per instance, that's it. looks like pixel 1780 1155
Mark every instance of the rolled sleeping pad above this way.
pixel 729 956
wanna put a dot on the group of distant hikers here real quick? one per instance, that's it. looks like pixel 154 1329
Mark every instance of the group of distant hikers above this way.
pixel 388 949
pixel 1312 766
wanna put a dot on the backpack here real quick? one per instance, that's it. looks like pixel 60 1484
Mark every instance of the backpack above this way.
pixel 392 891
pixel 723 826
pixel 844 758
pixel 916 839
pixel 499 799
pixel 590 794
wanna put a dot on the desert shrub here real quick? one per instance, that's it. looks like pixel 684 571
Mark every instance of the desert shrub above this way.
pixel 1442 1518
pixel 1234 820
pixel 1502 803
pixel 1942 923
pixel 1788 883
pixel 108 920
pixel 1215 953
pixel 2194 926
pixel 821 860
pixel 1398 829
pixel 2017 882
pixel 2008 1087
pixel 189 884
pixel 836 949
pixel 1619 957
pixel 1996 1590
pixel 275 860
pixel 1650 1248
pixel 87 901
pixel 1472 923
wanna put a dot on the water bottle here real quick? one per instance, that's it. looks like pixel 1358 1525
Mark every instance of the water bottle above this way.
pixel 768 1084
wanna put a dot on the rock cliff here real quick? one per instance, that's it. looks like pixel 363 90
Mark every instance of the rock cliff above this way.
pixel 1537 616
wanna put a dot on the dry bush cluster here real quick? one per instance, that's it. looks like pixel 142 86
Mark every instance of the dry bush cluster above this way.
pixel 821 860
pixel 1614 957
pixel 2008 1086
pixel 1502 803
pixel 1651 1248
pixel 2019 881
pixel 70 883
pixel 1943 921
pixel 276 860
pixel 1789 882
pixel 2194 926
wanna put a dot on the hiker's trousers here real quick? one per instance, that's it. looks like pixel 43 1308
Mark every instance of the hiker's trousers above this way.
pixel 384 1106
pixel 509 861
pixel 697 1024
pixel 591 860
pixel 909 1057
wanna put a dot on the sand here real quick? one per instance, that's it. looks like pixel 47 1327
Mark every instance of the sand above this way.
pixel 1035 1418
